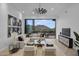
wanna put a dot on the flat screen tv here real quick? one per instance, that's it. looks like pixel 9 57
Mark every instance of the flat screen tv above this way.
pixel 66 31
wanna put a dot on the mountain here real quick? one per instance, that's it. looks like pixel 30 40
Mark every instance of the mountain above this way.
pixel 41 28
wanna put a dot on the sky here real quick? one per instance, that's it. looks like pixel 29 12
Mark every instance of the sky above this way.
pixel 48 23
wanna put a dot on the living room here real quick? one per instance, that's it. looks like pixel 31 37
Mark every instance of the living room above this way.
pixel 35 42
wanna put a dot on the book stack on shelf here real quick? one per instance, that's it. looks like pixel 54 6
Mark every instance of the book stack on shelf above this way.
pixel 14 25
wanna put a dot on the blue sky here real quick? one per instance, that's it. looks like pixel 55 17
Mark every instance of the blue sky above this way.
pixel 48 23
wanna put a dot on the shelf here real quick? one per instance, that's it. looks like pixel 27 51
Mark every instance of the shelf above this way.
pixel 15 26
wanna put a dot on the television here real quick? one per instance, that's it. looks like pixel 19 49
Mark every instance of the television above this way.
pixel 66 31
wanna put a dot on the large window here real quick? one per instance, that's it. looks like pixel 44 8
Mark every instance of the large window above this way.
pixel 44 25
pixel 40 25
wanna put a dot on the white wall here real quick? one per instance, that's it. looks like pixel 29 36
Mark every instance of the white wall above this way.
pixel 3 26
pixel 12 11
pixel 69 19
pixel 4 11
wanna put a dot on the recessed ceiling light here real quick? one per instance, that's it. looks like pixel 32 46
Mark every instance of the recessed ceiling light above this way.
pixel 52 9
pixel 32 12
pixel 22 11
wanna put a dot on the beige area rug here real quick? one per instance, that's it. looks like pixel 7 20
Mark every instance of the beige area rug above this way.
pixel 61 50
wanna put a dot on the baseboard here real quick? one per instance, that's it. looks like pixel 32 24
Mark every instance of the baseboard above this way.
pixel 3 49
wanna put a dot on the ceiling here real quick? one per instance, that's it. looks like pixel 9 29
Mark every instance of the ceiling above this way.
pixel 27 8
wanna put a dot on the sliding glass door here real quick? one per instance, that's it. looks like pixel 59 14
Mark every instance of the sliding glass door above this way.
pixel 41 26
pixel 44 25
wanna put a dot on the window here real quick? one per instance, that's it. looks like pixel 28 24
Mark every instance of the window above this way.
pixel 29 25
pixel 40 25
pixel 44 25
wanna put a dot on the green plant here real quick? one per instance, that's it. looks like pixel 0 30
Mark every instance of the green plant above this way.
pixel 77 36
pixel 76 43
pixel 77 39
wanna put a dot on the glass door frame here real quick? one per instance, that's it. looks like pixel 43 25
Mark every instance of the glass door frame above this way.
pixel 25 31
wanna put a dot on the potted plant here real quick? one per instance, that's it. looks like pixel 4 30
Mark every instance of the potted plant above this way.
pixel 76 42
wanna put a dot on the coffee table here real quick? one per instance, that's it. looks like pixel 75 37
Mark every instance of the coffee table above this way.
pixel 36 43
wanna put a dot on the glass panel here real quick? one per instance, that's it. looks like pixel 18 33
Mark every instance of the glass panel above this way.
pixel 45 26
pixel 29 26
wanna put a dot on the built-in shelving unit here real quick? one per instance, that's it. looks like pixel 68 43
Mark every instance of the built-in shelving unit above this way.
pixel 14 25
